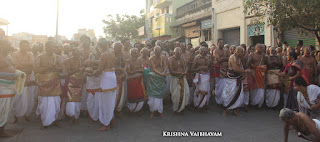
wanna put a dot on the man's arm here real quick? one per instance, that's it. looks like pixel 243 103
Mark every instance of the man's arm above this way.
pixel 101 66
pixel 286 132
pixel 153 67
pixel 165 65
pixel 194 64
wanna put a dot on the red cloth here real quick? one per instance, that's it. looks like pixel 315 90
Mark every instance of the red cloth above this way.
pixel 249 83
pixel 135 89
pixel 305 73
pixel 259 76
pixel 216 70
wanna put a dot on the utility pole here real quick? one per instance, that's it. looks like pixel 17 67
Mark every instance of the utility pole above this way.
pixel 57 24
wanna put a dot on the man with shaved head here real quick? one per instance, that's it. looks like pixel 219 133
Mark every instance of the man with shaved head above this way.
pixel 257 61
pixel 233 94
pixel 179 87
pixel 309 66
pixel 156 80
pixel 201 65
pixel 146 66
pixel 121 73
pixel 136 92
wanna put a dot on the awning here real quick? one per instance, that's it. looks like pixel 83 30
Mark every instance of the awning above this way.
pixel 175 39
pixel 202 30
pixel 3 22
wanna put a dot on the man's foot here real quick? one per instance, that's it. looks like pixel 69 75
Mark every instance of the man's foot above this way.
pixel 43 127
pixel 76 121
pixel 151 115
pixel 10 133
pixel 219 107
pixel 236 113
pixel 246 108
pixel 119 115
pixel 57 124
pixel 27 118
pixel 104 128
pixel 14 120
pixel 112 123
pixel 224 113
pixel 160 114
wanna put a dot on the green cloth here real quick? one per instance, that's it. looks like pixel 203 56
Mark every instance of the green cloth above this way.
pixel 156 84
pixel 7 81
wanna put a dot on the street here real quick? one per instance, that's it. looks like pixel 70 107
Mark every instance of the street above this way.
pixel 255 126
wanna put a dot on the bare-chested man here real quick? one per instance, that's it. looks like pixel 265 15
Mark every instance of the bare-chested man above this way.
pixel 308 128
pixel 136 92
pixel 74 86
pixel 179 87
pixel 121 73
pixel 201 65
pixel 146 66
pixel 108 87
pixel 232 94
pixel 49 86
pixel 24 102
pixel 309 66
pixel 126 48
pixel 220 65
pixel 7 86
pixel 93 82
pixel 273 82
pixel 257 61
pixel 157 79
pixel 185 54
pixel 85 51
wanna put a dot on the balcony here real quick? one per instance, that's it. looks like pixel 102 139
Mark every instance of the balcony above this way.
pixel 192 7
pixel 162 3
pixel 161 25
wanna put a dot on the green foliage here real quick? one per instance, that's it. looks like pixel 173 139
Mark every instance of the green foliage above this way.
pixel 124 26
pixel 287 14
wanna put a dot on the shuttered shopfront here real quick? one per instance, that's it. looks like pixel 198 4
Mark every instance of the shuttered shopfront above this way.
pixel 232 37
pixel 292 37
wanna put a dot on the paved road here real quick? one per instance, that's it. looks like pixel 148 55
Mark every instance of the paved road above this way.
pixel 255 126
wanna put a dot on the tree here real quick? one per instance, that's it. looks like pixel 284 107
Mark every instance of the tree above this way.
pixel 287 14
pixel 124 26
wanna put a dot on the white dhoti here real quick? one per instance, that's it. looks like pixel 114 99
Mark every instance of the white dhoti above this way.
pixel 202 92
pixel 246 98
pixel 48 108
pixel 219 86
pixel 121 98
pixel 106 100
pixel 317 124
pixel 84 97
pixel 155 104
pixel 230 92
pixel 135 107
pixel 93 85
pixel 272 97
pixel 179 99
pixel 5 107
pixel 73 109
pixel 257 97
pixel 20 104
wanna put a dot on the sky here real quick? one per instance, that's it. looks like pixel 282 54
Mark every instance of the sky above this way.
pixel 39 16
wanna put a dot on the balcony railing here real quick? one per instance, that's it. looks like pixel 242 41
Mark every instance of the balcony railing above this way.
pixel 193 6
pixel 161 24
pixel 162 3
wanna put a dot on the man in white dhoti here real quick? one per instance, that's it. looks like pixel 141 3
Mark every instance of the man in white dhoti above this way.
pixel 233 95
pixel 308 98
pixel 178 83
pixel 257 61
pixel 309 129
pixel 201 65
pixel 49 86
pixel 273 81
pixel 93 82
pixel 24 102
pixel 74 85
pixel 7 86
pixel 106 97
pixel 156 82
pixel 135 86
pixel 220 65
pixel 120 66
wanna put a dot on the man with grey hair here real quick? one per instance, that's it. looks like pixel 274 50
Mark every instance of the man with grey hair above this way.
pixel 308 128
pixel 232 94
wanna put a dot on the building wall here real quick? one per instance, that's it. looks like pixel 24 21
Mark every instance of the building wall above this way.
pixel 228 14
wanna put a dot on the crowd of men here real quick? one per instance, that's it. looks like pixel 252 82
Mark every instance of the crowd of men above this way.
pixel 105 78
